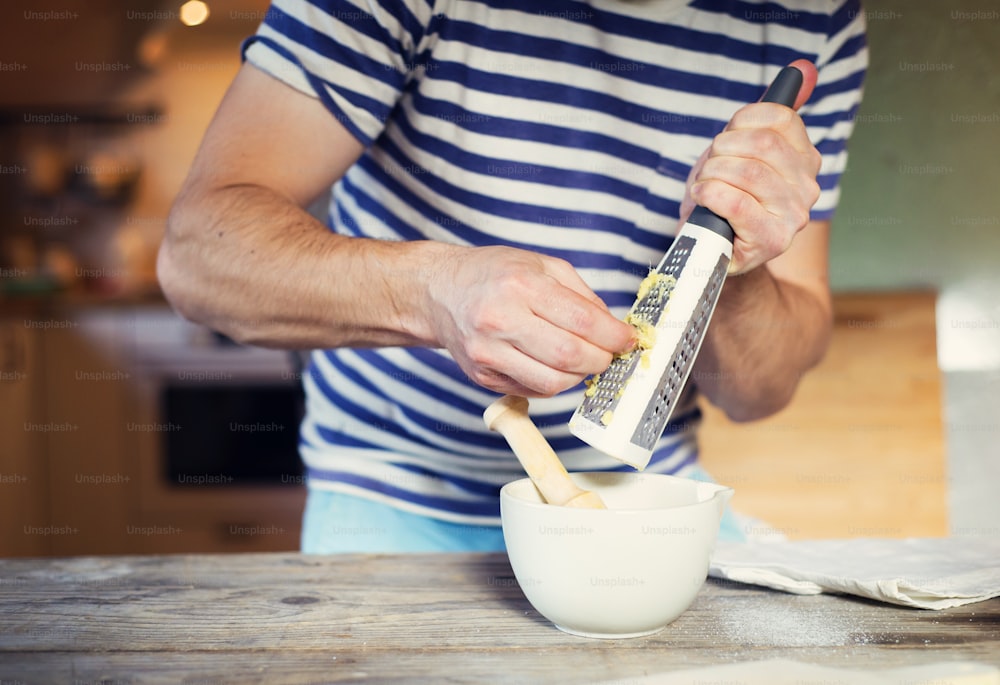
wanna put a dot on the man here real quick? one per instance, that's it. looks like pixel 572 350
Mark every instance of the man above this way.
pixel 505 172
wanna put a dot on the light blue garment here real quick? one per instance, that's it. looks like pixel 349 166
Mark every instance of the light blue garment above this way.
pixel 338 523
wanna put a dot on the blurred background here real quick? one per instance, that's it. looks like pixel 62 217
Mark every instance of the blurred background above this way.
pixel 921 211
pixel 102 106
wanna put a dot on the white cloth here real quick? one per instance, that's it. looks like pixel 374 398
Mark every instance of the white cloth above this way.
pixel 929 573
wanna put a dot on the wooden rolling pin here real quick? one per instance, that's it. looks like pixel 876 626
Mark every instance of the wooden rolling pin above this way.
pixel 509 417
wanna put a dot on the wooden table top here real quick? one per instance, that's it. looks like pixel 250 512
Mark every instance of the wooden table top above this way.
pixel 291 618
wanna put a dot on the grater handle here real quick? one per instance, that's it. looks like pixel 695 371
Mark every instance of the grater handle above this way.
pixel 784 89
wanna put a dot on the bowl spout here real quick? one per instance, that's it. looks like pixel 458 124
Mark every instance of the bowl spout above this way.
pixel 719 494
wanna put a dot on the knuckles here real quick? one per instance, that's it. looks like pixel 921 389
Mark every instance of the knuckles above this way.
pixel 513 280
pixel 815 160
pixel 780 239
pixel 765 141
pixel 547 387
pixel 799 219
pixel 760 115
pixel 777 242
pixel 752 174
pixel 481 360
pixel 813 191
pixel 583 321
pixel 725 200
pixel 568 355
pixel 559 265
pixel 486 321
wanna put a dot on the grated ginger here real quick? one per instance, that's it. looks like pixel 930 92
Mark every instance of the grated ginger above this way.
pixel 645 332
pixel 662 285
pixel 662 282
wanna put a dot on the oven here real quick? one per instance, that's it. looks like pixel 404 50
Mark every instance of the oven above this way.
pixel 215 428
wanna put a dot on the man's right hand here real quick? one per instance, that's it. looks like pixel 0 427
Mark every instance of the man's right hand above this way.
pixel 521 323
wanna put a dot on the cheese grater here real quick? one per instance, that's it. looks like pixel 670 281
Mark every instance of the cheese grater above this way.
pixel 626 408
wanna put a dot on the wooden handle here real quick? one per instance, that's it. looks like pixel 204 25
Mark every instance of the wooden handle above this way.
pixel 509 417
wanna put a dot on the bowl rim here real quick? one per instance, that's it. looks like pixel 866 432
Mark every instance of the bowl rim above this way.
pixel 718 490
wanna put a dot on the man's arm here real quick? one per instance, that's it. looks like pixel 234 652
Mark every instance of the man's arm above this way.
pixel 242 256
pixel 774 316
pixel 771 325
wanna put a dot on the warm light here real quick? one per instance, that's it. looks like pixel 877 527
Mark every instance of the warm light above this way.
pixel 153 48
pixel 194 12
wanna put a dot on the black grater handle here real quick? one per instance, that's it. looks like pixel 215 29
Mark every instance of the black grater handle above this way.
pixel 784 89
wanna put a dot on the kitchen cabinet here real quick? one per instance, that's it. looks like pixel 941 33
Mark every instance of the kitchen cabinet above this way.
pixel 90 475
pixel 86 479
pixel 23 502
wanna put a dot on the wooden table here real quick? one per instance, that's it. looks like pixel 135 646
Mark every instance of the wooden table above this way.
pixel 290 618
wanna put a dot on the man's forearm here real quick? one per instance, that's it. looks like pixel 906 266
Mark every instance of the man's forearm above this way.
pixel 249 263
pixel 241 256
pixel 764 335
pixel 246 261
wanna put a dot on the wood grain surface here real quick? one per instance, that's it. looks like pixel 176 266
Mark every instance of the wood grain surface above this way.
pixel 436 618
pixel 860 451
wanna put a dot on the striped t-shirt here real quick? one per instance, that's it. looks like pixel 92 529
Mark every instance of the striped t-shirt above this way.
pixel 562 127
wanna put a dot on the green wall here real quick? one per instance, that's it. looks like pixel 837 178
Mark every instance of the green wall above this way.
pixel 921 196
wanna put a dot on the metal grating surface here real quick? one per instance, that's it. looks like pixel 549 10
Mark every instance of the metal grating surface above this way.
pixel 651 307
pixel 607 390
pixel 668 392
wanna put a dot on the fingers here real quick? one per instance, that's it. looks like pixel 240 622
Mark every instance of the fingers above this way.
pixel 537 358
pixel 765 208
pixel 782 181
pixel 562 350
pixel 568 335
pixel 501 367
pixel 563 271
pixel 762 234
pixel 577 310
pixel 809 77
pixel 523 323
pixel 760 173
pixel 768 118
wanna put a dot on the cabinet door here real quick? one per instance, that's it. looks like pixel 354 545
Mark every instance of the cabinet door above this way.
pixel 92 482
pixel 24 522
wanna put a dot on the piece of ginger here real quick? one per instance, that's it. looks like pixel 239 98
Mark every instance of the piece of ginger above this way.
pixel 662 282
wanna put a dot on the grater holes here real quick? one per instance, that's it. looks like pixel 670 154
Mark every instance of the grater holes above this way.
pixel 650 307
pixel 654 303
pixel 604 393
pixel 677 256
pixel 664 399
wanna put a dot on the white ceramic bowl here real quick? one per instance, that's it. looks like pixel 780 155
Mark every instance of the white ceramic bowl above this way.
pixel 625 571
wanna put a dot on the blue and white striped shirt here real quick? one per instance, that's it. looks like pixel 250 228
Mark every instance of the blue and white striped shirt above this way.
pixel 558 126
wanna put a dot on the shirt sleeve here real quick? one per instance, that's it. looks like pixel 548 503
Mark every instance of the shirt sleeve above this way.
pixel 356 57
pixel 830 113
